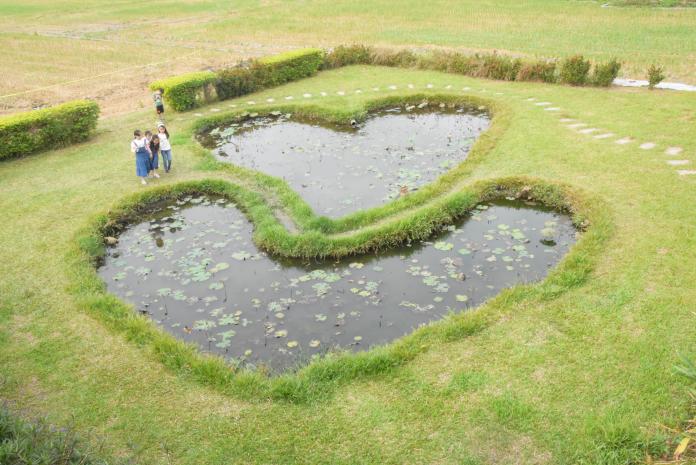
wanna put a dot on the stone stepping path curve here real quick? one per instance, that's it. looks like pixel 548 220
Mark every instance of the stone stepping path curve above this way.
pixel 570 123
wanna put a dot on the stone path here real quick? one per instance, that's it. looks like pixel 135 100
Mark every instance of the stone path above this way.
pixel 571 123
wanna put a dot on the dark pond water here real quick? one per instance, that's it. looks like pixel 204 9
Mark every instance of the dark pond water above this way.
pixel 340 170
pixel 192 267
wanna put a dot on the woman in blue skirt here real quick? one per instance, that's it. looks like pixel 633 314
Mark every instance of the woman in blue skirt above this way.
pixel 141 150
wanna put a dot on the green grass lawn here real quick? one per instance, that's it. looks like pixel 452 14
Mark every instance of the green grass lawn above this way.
pixel 583 375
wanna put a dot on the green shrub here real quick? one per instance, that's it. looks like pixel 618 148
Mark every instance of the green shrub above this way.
pixel 286 67
pixel 24 443
pixel 46 129
pixel 234 82
pixel 346 55
pixel 574 70
pixel 655 76
pixel 542 71
pixel 188 90
pixel 398 58
pixel 498 67
pixel 605 73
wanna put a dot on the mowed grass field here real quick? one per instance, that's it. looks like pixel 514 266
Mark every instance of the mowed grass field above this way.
pixel 584 376
pixel 110 50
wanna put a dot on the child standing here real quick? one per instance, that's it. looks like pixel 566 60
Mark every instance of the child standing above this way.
pixel 142 155
pixel 157 97
pixel 148 140
pixel 165 146
pixel 154 155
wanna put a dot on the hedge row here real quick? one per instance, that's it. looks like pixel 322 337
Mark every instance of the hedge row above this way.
pixel 574 70
pixel 46 129
pixel 191 90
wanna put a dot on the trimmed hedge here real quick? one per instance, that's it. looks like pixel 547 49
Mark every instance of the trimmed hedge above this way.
pixel 188 91
pixel 191 90
pixel 33 131
pixel 289 66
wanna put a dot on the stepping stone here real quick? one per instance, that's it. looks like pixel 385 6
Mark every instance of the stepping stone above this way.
pixel 429 86
pixel 340 92
pixel 685 172
pixel 624 141
pixel 448 86
pixel 392 87
pixel 289 97
pixel 466 88
pixel 604 136
pixel 270 100
pixel 531 99
pixel 678 162
pixel 552 109
pixel 566 120
pixel 232 105
pixel 542 104
pixel 588 130
pixel 375 89
pixel 323 94
pixel 214 110
pixel 307 95
pixel 576 125
pixel 673 150
pixel 647 145
pixel 251 102
pixel 410 86
pixel 198 114
pixel 358 91
pixel 499 93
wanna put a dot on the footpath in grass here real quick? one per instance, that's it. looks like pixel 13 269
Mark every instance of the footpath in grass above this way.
pixel 581 376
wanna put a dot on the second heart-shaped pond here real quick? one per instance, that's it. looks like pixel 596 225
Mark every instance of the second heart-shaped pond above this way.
pixel 340 169
pixel 192 267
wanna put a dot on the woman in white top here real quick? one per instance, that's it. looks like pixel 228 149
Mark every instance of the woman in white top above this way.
pixel 165 146
pixel 142 155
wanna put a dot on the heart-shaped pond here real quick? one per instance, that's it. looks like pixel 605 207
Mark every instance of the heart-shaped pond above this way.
pixel 192 267
pixel 342 169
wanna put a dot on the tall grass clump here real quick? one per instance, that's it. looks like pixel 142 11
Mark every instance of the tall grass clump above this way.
pixel 38 443
pixel 655 75
pixel 347 55
pixel 540 71
pixel 574 70
pixel 604 74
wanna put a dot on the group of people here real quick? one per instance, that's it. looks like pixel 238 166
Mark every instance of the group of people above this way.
pixel 147 146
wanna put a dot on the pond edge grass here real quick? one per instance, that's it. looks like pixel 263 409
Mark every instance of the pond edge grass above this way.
pixel 321 377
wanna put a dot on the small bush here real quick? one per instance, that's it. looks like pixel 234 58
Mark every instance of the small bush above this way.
pixel 574 70
pixel 399 58
pixel 655 76
pixel 234 82
pixel 604 73
pixel 286 67
pixel 541 71
pixel 24 443
pixel 46 129
pixel 346 55
pixel 187 90
pixel 498 67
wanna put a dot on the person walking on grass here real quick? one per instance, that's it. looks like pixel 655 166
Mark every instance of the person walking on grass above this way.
pixel 154 155
pixel 158 98
pixel 148 139
pixel 165 146
pixel 142 155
